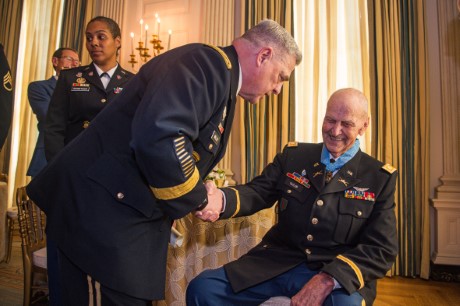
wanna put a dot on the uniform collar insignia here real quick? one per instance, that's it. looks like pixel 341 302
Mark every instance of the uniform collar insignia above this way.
pixel 343 181
pixel 320 172
pixel 349 172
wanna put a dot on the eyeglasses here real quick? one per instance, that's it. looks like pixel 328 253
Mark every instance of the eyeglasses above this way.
pixel 71 59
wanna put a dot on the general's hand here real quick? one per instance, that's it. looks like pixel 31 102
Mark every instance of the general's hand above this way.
pixel 315 291
pixel 215 203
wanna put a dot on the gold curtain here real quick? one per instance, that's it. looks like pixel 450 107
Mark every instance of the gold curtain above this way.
pixel 37 42
pixel 267 125
pixel 401 132
pixel 77 13
pixel 333 37
pixel 210 245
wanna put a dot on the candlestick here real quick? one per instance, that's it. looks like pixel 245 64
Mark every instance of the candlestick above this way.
pixel 158 20
pixel 146 28
pixel 169 39
pixel 132 43
pixel 141 22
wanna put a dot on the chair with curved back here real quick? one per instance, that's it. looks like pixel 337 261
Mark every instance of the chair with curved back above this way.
pixel 32 231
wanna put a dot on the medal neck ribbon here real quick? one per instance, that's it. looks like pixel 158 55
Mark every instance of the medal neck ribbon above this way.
pixel 342 160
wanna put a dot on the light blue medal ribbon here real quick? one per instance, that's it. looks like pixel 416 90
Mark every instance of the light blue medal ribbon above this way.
pixel 342 160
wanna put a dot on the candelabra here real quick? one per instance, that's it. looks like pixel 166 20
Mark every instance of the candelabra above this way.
pixel 144 54
pixel 143 49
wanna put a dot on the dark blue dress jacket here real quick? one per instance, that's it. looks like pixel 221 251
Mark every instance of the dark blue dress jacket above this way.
pixel 346 228
pixel 39 94
pixel 111 194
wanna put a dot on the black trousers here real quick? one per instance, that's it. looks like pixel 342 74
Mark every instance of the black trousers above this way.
pixel 79 289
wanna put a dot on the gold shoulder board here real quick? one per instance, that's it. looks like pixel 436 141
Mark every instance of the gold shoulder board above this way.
pixel 389 168
pixel 292 144
pixel 224 56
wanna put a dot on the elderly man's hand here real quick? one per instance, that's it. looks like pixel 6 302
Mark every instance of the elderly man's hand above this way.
pixel 315 291
pixel 215 203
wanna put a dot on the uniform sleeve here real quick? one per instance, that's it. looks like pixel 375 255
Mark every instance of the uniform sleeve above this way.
pixel 376 251
pixel 38 100
pixel 180 98
pixel 6 97
pixel 57 118
pixel 262 192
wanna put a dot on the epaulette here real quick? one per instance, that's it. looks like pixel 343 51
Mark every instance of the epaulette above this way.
pixel 224 56
pixel 389 168
pixel 292 144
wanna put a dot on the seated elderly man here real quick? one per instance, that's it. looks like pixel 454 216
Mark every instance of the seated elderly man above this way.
pixel 336 231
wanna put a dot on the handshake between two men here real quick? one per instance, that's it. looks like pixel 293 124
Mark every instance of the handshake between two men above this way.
pixel 215 205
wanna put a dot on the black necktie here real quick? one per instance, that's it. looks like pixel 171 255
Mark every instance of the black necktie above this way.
pixel 105 79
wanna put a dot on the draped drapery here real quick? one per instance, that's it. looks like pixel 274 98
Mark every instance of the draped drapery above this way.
pixel 74 25
pixel 37 42
pixel 267 125
pixel 401 120
pixel 333 37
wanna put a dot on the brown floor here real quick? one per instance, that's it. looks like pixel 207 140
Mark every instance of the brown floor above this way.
pixel 416 292
pixel 392 291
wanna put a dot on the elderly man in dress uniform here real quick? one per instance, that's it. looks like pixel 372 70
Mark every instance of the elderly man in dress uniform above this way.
pixel 336 230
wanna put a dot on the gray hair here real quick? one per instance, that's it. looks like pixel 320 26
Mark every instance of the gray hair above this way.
pixel 269 32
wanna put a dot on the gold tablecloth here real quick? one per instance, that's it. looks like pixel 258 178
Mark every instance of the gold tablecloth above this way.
pixel 209 246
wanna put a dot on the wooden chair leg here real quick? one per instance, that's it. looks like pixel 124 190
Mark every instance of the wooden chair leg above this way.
pixel 27 286
pixel 11 222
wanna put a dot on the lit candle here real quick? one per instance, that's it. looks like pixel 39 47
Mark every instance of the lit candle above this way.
pixel 169 39
pixel 158 21
pixel 156 15
pixel 146 36
pixel 132 43
pixel 141 22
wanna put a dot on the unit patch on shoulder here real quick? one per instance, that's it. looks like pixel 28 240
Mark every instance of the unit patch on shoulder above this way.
pixel 222 53
pixel 389 168
pixel 291 144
